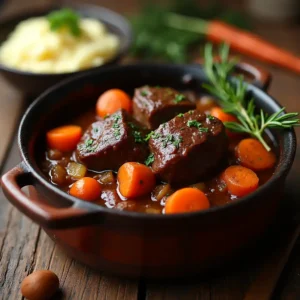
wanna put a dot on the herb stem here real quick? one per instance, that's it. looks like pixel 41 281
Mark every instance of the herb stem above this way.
pixel 185 23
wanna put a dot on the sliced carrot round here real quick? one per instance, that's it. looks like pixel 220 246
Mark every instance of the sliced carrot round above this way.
pixel 111 101
pixel 86 188
pixel 64 138
pixel 253 155
pixel 240 181
pixel 135 180
pixel 221 115
pixel 186 200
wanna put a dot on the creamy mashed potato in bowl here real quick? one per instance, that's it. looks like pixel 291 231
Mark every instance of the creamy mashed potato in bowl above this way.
pixel 34 47
pixel 34 56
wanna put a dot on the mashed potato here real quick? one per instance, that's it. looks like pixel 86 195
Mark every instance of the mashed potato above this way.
pixel 33 47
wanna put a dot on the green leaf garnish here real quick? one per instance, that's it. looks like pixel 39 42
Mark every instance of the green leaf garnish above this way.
pixel 65 18
pixel 149 160
pixel 179 98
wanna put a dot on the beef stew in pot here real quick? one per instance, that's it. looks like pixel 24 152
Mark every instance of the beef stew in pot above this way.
pixel 163 152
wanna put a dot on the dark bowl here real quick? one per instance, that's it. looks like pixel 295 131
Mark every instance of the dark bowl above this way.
pixel 129 243
pixel 32 84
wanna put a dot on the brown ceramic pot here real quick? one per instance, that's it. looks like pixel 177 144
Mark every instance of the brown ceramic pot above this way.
pixel 136 244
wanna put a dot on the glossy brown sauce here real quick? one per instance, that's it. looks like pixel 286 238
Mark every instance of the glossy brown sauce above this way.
pixel 110 197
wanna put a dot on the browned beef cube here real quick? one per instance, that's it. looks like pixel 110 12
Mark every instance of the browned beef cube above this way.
pixel 153 106
pixel 188 148
pixel 109 143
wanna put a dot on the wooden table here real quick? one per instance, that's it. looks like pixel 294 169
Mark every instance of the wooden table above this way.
pixel 24 247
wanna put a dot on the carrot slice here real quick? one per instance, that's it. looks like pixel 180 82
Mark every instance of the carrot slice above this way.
pixel 135 180
pixel 253 155
pixel 111 101
pixel 186 200
pixel 64 138
pixel 221 115
pixel 86 188
pixel 240 181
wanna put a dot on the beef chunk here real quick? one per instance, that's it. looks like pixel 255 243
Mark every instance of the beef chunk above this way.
pixel 155 105
pixel 109 143
pixel 188 148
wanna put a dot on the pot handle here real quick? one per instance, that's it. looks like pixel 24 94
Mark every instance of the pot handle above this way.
pixel 40 212
pixel 261 78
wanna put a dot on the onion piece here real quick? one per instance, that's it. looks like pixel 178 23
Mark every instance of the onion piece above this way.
pixel 76 170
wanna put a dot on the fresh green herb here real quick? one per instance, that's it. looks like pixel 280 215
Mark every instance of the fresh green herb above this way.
pixel 88 145
pixel 116 126
pixel 89 142
pixel 232 98
pixel 180 115
pixel 167 139
pixel 96 129
pixel 144 93
pixel 203 129
pixel 191 112
pixel 159 35
pixel 194 123
pixel 178 141
pixel 116 118
pixel 132 125
pixel 152 134
pixel 179 98
pixel 65 18
pixel 138 138
pixel 149 160
pixel 117 134
pixel 210 117
pixel 105 117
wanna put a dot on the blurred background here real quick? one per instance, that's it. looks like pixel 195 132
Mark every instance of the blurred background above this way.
pixel 269 18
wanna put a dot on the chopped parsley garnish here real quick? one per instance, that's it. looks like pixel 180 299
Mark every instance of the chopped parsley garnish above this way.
pixel 132 125
pixel 65 18
pixel 89 142
pixel 144 93
pixel 138 138
pixel 168 138
pixel 117 134
pixel 176 142
pixel 149 160
pixel 203 129
pixel 179 98
pixel 194 123
pixel 117 118
pixel 96 129
pixel 153 135
pixel 191 111
pixel 180 115
pixel 210 117
pixel 88 145
pixel 116 126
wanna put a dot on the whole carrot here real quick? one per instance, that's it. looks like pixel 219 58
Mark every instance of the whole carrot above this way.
pixel 242 41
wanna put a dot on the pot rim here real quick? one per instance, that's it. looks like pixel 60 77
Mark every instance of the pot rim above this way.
pixel 286 155
pixel 76 6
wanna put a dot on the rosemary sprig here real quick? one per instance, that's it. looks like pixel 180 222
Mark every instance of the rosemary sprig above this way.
pixel 232 98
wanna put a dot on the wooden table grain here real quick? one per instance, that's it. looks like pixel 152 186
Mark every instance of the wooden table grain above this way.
pixel 24 247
